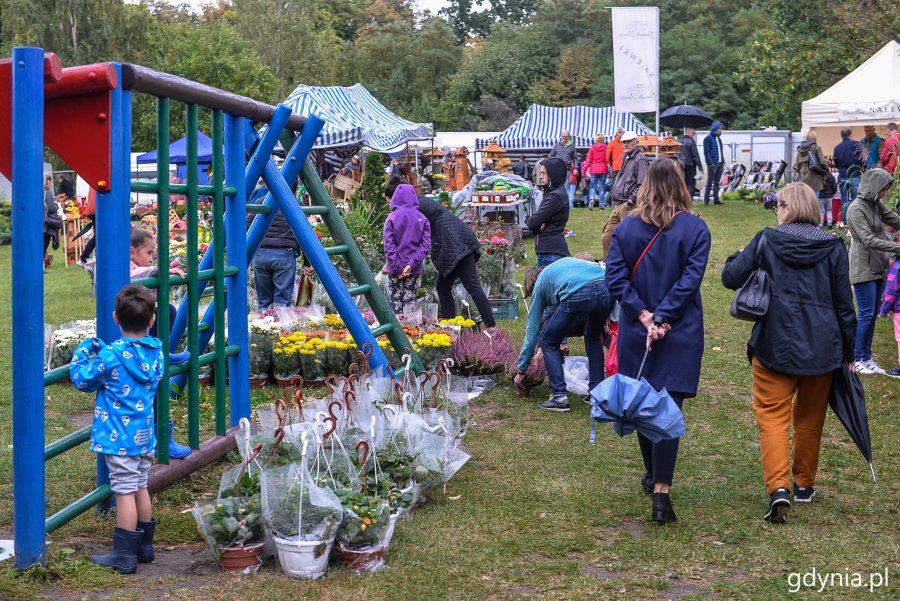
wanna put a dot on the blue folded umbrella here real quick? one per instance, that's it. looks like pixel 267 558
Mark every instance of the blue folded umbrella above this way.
pixel 631 405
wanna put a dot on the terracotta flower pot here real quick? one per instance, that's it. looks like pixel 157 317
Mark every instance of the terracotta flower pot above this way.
pixel 258 382
pixel 364 559
pixel 238 559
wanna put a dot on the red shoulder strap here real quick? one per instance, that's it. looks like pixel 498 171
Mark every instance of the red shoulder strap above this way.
pixel 649 244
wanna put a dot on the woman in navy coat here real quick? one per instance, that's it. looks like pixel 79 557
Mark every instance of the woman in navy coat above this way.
pixel 660 299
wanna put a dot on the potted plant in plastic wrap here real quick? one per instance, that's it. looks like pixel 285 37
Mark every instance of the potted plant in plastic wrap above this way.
pixel 313 361
pixel 233 526
pixel 475 354
pixel 264 332
pixel 286 357
pixel 303 517
pixel 432 347
pixel 361 544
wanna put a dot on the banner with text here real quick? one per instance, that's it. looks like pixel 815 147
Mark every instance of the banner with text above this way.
pixel 636 65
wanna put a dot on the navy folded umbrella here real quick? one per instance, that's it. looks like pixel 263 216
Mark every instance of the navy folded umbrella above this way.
pixel 848 401
pixel 685 115
pixel 633 404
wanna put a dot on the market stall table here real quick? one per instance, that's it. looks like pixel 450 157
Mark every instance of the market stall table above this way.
pixel 522 208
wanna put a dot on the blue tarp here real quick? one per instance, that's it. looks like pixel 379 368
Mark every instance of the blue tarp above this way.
pixel 540 126
pixel 178 156
pixel 353 116
pixel 178 151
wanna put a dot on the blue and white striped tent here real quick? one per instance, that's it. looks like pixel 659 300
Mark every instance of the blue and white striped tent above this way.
pixel 540 126
pixel 353 116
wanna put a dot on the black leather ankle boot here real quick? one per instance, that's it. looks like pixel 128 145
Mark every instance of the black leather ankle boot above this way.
pixel 662 511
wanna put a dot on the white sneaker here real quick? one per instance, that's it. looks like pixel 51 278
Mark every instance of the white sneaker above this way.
pixel 863 369
pixel 874 367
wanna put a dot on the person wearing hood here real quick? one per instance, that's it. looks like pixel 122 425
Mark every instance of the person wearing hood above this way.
pixel 633 171
pixel 407 239
pixel 801 163
pixel 125 375
pixel 806 334
pixel 454 253
pixel 870 250
pixel 549 221
pixel 714 153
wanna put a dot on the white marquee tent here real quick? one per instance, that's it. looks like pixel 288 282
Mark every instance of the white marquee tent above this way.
pixel 869 95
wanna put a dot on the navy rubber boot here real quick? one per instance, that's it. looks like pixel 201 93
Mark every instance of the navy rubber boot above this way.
pixel 145 549
pixel 177 451
pixel 123 557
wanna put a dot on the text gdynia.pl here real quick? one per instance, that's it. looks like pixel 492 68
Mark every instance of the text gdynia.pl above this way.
pixel 831 580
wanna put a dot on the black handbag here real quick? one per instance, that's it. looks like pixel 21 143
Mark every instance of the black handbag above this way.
pixel 814 165
pixel 751 301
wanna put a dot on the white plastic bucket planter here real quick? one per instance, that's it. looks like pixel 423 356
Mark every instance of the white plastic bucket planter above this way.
pixel 389 532
pixel 416 489
pixel 303 559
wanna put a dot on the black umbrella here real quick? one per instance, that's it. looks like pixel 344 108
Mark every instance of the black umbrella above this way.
pixel 83 231
pixel 685 115
pixel 848 401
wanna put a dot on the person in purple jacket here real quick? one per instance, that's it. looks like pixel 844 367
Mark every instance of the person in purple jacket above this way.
pixel 407 240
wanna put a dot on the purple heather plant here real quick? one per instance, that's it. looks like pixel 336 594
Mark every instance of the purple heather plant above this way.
pixel 477 355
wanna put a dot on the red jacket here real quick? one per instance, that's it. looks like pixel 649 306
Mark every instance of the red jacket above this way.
pixel 615 153
pixel 595 163
pixel 890 153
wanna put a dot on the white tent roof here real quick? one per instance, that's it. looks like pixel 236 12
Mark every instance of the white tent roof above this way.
pixel 869 95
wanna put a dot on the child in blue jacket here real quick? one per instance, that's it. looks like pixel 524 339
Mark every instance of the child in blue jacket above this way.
pixel 125 375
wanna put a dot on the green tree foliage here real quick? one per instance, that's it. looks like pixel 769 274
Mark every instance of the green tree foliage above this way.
pixel 475 65
pixel 809 45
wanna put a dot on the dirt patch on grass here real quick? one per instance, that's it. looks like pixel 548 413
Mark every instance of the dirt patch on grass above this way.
pixel 174 569
pixel 599 572
pixel 487 416
pixel 678 589
pixel 521 591
pixel 633 528
pixel 81 419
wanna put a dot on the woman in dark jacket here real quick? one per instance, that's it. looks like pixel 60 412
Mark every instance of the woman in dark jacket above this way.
pixel 454 252
pixel 660 299
pixel 806 334
pixel 550 220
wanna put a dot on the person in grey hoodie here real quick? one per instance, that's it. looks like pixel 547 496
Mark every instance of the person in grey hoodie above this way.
pixel 870 250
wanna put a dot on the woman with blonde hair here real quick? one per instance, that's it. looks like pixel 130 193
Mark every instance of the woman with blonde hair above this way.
pixel 806 334
pixel 655 267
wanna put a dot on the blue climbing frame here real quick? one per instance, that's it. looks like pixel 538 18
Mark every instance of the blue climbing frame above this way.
pixel 35 79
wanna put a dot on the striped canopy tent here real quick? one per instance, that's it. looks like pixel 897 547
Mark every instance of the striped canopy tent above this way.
pixel 540 126
pixel 354 117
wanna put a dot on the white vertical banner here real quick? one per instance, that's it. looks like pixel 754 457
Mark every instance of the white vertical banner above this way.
pixel 636 64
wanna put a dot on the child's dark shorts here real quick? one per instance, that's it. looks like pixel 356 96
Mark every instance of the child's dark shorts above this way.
pixel 128 474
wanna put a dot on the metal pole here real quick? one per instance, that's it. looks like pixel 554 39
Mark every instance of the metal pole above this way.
pixel 112 229
pixel 192 249
pixel 28 304
pixel 218 243
pixel 162 290
pixel 236 254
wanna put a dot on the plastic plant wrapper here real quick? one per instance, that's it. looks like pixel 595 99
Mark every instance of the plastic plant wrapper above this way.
pixel 365 519
pixel 295 508
pixel 263 334
pixel 230 522
pixel 313 365
pixel 65 339
pixel 478 385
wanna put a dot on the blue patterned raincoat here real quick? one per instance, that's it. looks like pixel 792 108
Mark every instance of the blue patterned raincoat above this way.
pixel 125 375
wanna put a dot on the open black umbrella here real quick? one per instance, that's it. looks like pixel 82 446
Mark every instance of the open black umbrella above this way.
pixel 685 115
pixel 848 401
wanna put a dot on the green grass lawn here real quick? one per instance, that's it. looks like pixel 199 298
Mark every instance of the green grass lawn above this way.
pixel 537 512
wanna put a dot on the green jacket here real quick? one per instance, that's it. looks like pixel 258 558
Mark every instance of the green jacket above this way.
pixel 870 247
